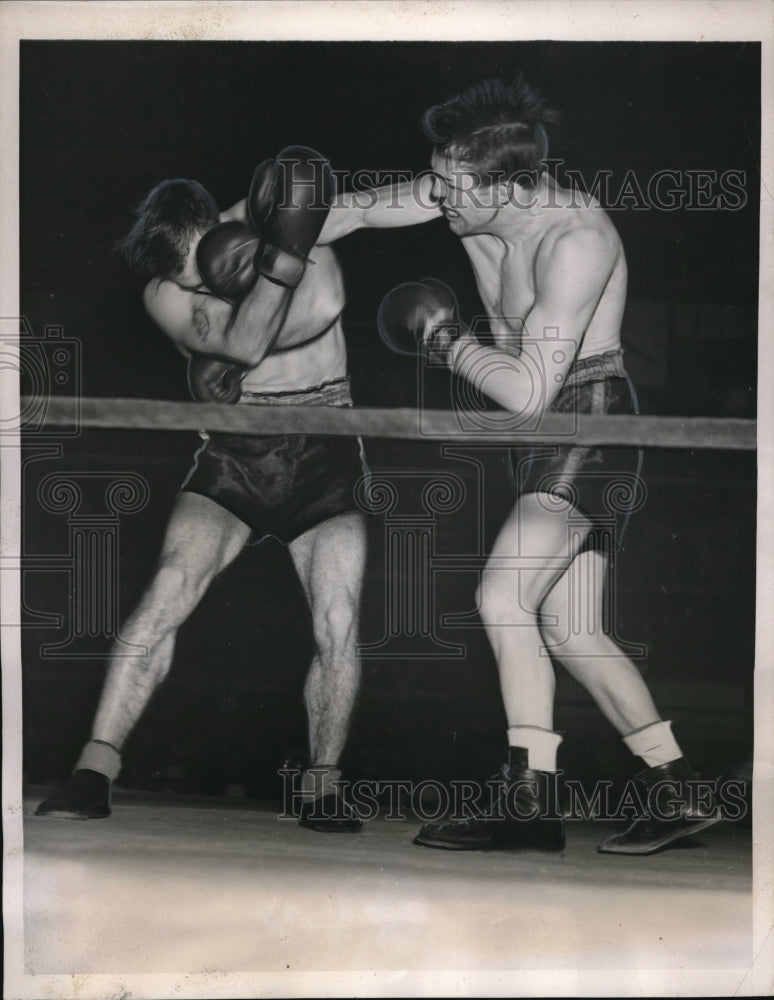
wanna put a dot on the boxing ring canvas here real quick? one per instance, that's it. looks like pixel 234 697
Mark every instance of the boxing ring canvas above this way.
pixel 201 884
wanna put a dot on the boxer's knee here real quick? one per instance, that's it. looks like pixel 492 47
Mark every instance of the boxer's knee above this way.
pixel 498 598
pixel 335 625
pixel 175 590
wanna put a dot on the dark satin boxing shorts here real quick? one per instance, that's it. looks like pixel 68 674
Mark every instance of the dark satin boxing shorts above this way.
pixel 603 483
pixel 282 484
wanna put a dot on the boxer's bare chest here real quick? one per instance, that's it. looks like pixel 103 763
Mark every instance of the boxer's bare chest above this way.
pixel 317 301
pixel 505 280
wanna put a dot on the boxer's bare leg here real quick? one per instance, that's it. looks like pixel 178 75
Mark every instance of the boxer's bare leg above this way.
pixel 573 629
pixel 531 552
pixel 330 561
pixel 202 538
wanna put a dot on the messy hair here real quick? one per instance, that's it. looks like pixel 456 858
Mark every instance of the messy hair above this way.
pixel 497 130
pixel 166 221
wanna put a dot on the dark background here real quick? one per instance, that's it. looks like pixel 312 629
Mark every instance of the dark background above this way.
pixel 102 122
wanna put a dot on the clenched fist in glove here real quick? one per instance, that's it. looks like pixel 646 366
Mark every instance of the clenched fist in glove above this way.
pixel 421 316
pixel 215 380
pixel 288 204
pixel 225 256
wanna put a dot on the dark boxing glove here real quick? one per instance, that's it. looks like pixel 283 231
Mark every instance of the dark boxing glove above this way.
pixel 215 380
pixel 288 204
pixel 225 256
pixel 420 316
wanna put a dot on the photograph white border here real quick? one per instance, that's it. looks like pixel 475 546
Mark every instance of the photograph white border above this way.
pixel 495 20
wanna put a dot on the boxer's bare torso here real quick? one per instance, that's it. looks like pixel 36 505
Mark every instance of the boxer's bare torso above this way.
pixel 309 348
pixel 506 272
pixel 540 238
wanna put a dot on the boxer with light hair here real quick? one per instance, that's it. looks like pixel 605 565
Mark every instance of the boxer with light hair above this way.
pixel 551 273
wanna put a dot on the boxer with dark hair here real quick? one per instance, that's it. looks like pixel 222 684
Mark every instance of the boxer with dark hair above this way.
pixel 552 277
pixel 258 327
pixel 168 218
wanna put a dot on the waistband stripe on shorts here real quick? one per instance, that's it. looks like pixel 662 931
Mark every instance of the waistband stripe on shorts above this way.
pixel 595 368
pixel 333 393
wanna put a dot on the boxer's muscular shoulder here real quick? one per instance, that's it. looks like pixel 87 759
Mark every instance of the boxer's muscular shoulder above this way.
pixel 583 242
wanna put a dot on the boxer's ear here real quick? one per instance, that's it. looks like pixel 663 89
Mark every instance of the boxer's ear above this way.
pixel 506 192
pixel 518 189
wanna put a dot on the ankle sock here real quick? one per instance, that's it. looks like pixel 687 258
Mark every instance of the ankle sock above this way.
pixel 655 744
pixel 100 756
pixel 541 745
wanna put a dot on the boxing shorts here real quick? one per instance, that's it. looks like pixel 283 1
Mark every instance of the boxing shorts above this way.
pixel 282 484
pixel 603 483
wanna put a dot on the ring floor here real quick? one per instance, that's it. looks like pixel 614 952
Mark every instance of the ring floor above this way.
pixel 194 886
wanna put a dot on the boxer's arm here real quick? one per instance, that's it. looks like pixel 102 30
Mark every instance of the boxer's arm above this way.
pixel 569 280
pixel 406 204
pixel 202 324
pixel 237 211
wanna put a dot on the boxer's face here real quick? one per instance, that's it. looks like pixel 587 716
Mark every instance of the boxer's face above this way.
pixel 467 205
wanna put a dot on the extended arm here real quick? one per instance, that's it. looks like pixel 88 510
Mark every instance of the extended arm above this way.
pixel 406 204
pixel 237 211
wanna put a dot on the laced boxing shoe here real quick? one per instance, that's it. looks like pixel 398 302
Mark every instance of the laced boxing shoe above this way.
pixel 679 805
pixel 525 814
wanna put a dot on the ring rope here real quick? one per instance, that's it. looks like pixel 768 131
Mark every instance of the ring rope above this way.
pixel 412 424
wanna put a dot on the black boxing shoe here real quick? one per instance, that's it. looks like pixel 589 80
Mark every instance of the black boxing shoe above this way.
pixel 329 813
pixel 525 815
pixel 458 835
pixel 292 765
pixel 86 795
pixel 676 810
pixel 326 809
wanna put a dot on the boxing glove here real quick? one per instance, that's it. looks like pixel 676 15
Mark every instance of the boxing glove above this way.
pixel 215 380
pixel 420 316
pixel 225 258
pixel 288 204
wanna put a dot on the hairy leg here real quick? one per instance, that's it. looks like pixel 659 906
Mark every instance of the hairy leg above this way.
pixel 574 630
pixel 201 540
pixel 330 560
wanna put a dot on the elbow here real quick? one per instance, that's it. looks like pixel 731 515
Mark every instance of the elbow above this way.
pixel 248 354
pixel 251 358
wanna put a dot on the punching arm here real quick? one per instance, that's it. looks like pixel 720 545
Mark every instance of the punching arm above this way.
pixel 408 203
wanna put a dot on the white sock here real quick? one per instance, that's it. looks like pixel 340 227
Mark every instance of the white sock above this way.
pixel 655 744
pixel 100 756
pixel 541 745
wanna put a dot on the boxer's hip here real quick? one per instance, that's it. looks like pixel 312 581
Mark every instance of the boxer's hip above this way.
pixel 603 482
pixel 282 484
